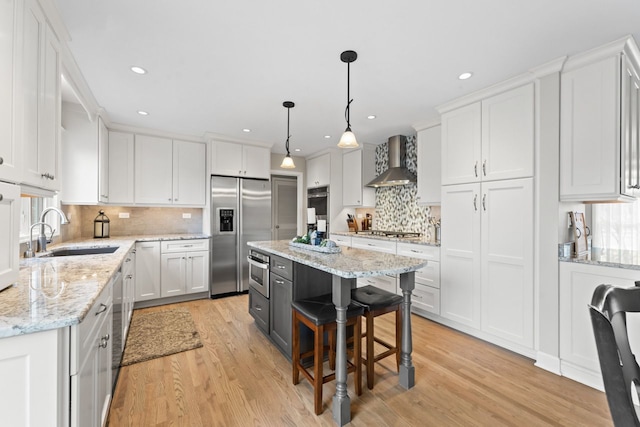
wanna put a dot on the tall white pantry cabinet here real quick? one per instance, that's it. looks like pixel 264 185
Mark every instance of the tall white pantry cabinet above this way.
pixel 488 217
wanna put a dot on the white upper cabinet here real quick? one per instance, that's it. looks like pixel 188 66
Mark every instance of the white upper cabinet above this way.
pixel 10 158
pixel 358 168
pixel 319 171
pixel 489 140
pixel 429 144
pixel 9 232
pixel 599 126
pixel 233 159
pixel 82 148
pixel 508 135
pixel 461 142
pixel 169 172
pixel 153 170
pixel 121 167
pixel 41 69
pixel 189 173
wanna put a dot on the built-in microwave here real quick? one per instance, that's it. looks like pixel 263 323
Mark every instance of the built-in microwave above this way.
pixel 318 198
pixel 259 272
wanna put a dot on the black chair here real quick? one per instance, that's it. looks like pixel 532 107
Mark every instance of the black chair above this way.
pixel 377 302
pixel 620 371
pixel 319 315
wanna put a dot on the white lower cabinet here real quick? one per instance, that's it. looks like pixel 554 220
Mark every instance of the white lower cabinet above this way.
pixel 90 363
pixel 147 271
pixel 487 259
pixel 341 240
pixel 128 291
pixel 387 283
pixel 426 295
pixel 578 353
pixel 171 268
pixel 29 368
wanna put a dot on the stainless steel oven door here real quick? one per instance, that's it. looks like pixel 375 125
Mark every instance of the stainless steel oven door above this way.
pixel 259 272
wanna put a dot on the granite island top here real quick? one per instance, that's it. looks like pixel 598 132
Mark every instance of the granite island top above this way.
pixel 55 292
pixel 616 258
pixel 349 263
pixel 422 240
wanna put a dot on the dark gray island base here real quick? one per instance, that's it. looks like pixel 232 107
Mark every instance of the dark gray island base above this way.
pixel 344 268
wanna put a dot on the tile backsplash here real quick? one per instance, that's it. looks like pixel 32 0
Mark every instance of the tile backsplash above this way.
pixel 396 206
pixel 142 220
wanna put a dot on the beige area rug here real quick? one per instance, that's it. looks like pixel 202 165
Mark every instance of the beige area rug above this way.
pixel 160 333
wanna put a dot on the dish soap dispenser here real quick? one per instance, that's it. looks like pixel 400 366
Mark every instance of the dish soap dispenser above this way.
pixel 101 226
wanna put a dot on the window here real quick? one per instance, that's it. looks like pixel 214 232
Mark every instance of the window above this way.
pixel 30 212
pixel 616 226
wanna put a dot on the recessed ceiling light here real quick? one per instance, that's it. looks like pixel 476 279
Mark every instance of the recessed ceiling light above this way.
pixel 465 76
pixel 138 70
pixel 143 113
pixel 371 117
pixel 327 136
pixel 246 130
pixel 297 149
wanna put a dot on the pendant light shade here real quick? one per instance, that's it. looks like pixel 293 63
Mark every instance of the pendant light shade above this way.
pixel 287 162
pixel 348 139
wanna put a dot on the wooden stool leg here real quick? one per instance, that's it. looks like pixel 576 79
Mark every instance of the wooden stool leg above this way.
pixel 370 354
pixel 357 355
pixel 295 336
pixel 332 349
pixel 317 368
pixel 398 336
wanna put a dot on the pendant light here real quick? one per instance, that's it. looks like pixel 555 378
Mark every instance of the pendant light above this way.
pixel 287 162
pixel 348 139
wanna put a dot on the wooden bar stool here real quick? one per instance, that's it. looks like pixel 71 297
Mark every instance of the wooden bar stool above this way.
pixel 377 302
pixel 319 315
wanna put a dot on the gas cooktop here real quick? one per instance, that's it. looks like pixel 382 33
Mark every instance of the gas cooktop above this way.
pixel 388 233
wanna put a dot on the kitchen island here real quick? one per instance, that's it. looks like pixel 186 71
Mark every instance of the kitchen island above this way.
pixel 345 267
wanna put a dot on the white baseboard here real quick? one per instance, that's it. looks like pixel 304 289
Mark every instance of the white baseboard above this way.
pixel 548 362
pixel 585 376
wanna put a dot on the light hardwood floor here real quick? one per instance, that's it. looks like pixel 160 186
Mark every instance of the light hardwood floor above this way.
pixel 239 379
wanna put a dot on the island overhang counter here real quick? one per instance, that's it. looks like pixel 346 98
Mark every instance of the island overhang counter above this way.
pixel 345 267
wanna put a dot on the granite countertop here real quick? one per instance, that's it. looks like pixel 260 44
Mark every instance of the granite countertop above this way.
pixel 349 263
pixel 422 240
pixel 608 258
pixel 55 292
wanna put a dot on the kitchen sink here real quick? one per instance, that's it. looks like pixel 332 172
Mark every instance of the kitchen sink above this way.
pixel 82 251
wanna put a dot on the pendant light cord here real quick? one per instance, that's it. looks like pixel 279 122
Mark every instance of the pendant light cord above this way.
pixel 349 101
pixel 288 136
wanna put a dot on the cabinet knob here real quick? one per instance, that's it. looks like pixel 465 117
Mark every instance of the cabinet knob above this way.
pixel 1 197
pixel 169 198
pixel 1 160
pixel 175 200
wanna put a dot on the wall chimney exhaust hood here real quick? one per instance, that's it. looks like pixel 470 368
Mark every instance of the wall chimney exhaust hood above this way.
pixel 397 173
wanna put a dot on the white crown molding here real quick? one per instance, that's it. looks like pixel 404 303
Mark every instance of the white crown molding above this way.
pixel 212 136
pixel 601 52
pixel 553 66
pixel 426 123
pixel 55 20
pixel 153 132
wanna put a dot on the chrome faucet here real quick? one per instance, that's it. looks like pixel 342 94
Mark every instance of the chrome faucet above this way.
pixel 30 253
pixel 42 237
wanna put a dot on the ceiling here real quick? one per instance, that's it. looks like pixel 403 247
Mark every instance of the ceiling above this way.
pixel 223 66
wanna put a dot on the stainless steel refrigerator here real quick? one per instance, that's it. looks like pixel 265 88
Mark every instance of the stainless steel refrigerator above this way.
pixel 241 212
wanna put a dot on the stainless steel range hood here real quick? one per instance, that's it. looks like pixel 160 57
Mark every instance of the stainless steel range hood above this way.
pixel 397 173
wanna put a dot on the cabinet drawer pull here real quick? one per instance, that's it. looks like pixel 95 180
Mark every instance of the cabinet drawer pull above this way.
pixel 484 206
pixel 475 169
pixel 103 343
pixel 475 202
pixel 102 309
pixel 281 267
pixel 484 167
pixel 1 160
pixel 416 251
pixel 1 197
pixel 258 308
pixel 279 282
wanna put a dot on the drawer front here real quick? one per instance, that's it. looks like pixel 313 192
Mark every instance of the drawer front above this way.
pixel 341 240
pixel 431 253
pixel 282 267
pixel 426 298
pixel 387 283
pixel 168 246
pixel 386 246
pixel 259 309
pixel 83 334
pixel 429 275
